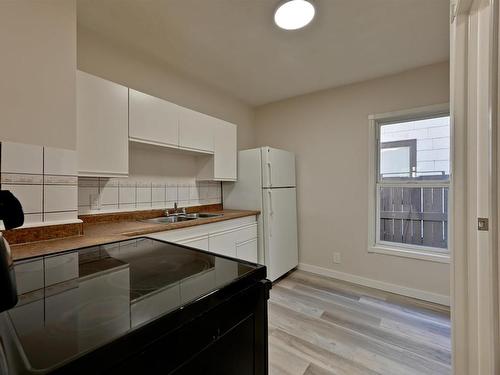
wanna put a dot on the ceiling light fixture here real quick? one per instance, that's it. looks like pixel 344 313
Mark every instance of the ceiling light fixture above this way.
pixel 294 14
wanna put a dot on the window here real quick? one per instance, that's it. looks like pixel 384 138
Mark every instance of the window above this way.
pixel 411 157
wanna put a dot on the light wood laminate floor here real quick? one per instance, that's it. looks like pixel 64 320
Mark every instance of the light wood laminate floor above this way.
pixel 322 326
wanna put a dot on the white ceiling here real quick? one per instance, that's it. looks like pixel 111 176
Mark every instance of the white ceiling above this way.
pixel 234 45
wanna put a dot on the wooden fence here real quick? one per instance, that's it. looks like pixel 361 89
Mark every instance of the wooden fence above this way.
pixel 416 216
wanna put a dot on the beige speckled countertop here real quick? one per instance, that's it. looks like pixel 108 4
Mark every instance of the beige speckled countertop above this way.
pixel 100 233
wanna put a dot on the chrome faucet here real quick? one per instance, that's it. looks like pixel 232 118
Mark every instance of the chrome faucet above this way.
pixel 176 210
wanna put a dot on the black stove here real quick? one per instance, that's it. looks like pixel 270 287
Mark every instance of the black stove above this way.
pixel 120 288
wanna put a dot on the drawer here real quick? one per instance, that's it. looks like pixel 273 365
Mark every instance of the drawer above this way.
pixel 247 250
pixel 198 243
pixel 59 268
pixel 29 276
pixel 247 233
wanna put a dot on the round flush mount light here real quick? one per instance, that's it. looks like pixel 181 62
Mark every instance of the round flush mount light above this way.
pixel 294 14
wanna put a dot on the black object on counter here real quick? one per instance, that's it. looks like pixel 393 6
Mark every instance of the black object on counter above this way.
pixel 141 306
pixel 11 211
pixel 12 216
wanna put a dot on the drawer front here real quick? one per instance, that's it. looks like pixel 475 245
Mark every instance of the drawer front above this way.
pixel 61 268
pixel 29 276
pixel 247 233
pixel 247 250
pixel 198 243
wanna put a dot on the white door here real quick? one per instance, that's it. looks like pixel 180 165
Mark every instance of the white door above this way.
pixel 280 231
pixel 278 168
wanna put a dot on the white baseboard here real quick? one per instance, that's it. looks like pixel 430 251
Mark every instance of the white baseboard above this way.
pixel 382 285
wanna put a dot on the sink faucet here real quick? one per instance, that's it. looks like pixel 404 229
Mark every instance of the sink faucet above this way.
pixel 176 210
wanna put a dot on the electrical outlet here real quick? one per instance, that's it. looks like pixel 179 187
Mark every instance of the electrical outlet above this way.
pixel 337 259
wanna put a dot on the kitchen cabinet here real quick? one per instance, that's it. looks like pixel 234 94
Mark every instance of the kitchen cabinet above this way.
pixel 196 130
pixel 102 126
pixel 200 242
pixel 222 165
pixel 235 238
pixel 153 120
pixel 247 250
pixel 224 243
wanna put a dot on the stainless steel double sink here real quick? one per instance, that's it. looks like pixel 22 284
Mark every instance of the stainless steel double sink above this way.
pixel 176 218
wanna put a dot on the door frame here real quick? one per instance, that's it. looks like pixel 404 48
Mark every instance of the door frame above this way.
pixel 474 111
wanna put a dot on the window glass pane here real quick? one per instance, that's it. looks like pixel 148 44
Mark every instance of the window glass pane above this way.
pixel 395 162
pixel 428 142
pixel 414 216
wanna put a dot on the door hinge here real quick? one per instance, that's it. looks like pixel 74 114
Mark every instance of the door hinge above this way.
pixel 482 223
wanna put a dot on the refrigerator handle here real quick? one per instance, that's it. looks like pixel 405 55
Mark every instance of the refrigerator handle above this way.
pixel 269 173
pixel 270 211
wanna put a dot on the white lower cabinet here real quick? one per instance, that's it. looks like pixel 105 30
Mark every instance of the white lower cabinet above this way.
pixel 198 242
pixel 246 250
pixel 235 238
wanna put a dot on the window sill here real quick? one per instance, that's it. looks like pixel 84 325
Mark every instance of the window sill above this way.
pixel 407 253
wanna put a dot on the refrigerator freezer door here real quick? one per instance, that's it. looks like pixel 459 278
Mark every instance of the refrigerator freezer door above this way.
pixel 278 168
pixel 280 231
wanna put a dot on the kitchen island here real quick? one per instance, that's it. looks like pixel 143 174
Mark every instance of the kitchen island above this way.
pixel 139 306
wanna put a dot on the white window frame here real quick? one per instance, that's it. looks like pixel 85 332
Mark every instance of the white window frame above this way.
pixel 385 247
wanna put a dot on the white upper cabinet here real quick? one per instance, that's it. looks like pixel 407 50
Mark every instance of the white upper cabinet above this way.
pixel 222 165
pixel 153 120
pixel 196 130
pixel 102 126
pixel 225 152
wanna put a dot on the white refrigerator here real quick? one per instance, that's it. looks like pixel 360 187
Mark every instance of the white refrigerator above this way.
pixel 266 182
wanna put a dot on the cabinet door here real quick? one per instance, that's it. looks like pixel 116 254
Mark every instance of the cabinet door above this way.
pixel 196 130
pixel 153 120
pixel 225 151
pixel 102 126
pixel 223 243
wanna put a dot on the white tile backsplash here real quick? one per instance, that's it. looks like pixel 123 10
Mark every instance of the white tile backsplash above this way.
pixel 59 162
pixel 21 158
pixel 158 194
pixel 60 198
pixel 109 195
pixel 30 196
pixel 172 193
pixel 44 179
pixel 128 194
pixel 144 194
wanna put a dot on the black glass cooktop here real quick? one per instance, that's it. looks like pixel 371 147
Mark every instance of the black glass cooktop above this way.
pixel 116 289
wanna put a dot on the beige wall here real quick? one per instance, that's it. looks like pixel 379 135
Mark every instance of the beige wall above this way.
pixel 38 61
pixel 328 131
pixel 130 68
